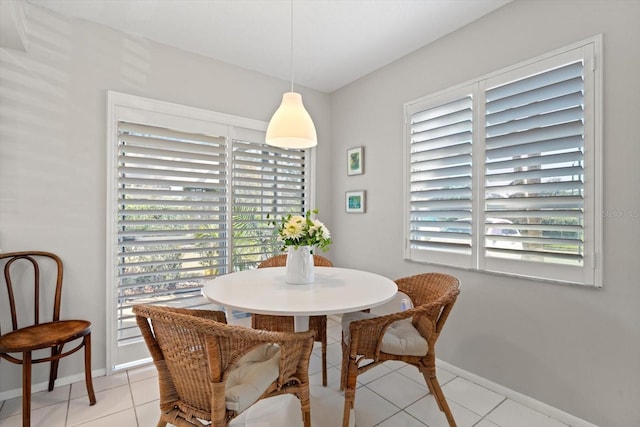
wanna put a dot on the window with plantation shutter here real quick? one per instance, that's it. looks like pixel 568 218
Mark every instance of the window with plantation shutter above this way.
pixel 191 195
pixel 529 182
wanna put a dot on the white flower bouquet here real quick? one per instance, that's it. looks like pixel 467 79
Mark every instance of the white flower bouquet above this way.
pixel 297 230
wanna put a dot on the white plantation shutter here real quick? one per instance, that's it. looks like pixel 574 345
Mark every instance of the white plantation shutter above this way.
pixel 506 178
pixel 171 217
pixel 266 182
pixel 441 178
pixel 190 195
pixel 534 175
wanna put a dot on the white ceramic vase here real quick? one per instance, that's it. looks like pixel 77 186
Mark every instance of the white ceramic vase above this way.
pixel 299 265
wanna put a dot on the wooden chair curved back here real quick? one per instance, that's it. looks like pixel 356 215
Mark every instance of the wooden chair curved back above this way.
pixel 44 270
pixel 33 260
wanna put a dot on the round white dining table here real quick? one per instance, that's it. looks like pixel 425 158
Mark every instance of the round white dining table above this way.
pixel 334 290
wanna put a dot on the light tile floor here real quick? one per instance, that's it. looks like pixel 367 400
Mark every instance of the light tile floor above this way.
pixel 391 395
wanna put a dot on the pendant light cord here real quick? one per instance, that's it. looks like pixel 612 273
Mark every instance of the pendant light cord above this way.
pixel 291 42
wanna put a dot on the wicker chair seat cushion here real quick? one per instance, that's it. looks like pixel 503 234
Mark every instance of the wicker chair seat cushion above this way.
pixel 251 377
pixel 276 411
pixel 401 337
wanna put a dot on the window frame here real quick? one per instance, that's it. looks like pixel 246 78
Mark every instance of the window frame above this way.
pixel 590 273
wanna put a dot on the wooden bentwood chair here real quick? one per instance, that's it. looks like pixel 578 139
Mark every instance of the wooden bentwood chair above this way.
pixel 409 336
pixel 317 324
pixel 208 370
pixel 46 331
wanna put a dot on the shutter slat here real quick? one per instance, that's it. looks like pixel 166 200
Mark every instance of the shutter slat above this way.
pixel 162 150
pixel 548 189
pixel 556 118
pixel 185 201
pixel 148 132
pixel 562 202
pixel 535 174
pixel 446 182
pixel 540 80
pixel 439 194
pixel 572 157
pixel 542 94
pixel 545 139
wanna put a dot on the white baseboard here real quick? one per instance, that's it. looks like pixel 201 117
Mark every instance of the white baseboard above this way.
pixel 10 394
pixel 527 401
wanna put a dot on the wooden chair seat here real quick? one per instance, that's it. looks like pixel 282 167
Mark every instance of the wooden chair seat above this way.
pixel 44 335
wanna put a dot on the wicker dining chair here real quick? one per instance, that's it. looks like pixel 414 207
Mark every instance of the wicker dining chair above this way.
pixel 209 370
pixel 318 324
pixel 46 331
pixel 408 336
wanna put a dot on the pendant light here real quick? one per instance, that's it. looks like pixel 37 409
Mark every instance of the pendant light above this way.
pixel 291 125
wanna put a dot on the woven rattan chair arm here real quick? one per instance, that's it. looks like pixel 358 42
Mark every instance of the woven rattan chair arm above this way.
pixel 366 334
pixel 294 358
pixel 147 334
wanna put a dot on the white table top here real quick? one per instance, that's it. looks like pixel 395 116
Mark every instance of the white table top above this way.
pixel 335 290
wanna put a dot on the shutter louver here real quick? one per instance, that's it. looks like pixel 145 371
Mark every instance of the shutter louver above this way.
pixel 267 182
pixel 534 174
pixel 440 177
pixel 172 217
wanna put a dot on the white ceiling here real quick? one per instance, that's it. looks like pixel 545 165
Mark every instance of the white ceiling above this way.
pixel 335 41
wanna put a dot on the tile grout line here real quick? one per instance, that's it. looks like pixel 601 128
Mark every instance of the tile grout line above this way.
pixel 135 411
pixel 133 403
pixel 66 415
pixel 483 417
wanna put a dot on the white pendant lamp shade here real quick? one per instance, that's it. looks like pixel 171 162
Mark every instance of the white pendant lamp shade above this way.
pixel 291 125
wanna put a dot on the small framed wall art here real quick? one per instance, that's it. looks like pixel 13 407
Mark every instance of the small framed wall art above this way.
pixel 355 201
pixel 355 161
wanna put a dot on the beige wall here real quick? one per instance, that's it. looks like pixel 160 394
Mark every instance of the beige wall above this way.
pixel 573 348
pixel 52 144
